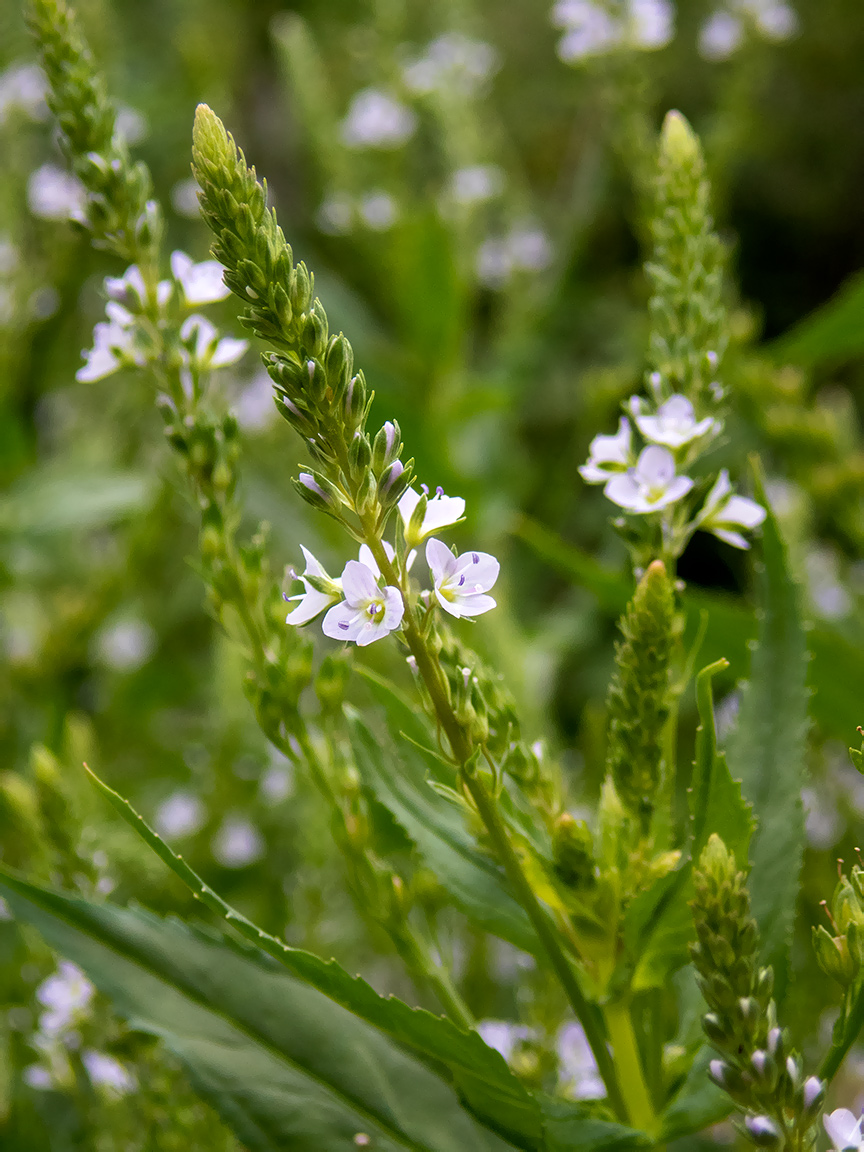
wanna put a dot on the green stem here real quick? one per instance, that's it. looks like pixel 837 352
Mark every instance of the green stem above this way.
pixel 419 959
pixel 854 1021
pixel 628 1065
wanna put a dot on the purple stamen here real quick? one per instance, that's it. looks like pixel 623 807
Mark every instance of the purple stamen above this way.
pixel 439 491
pixel 475 557
pixel 343 625
pixel 424 488
pixel 461 580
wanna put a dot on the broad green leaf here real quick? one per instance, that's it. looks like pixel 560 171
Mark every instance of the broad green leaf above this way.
pixel 834 332
pixel 659 925
pixel 767 750
pixel 571 1127
pixel 285 1066
pixel 697 1103
pixel 398 780
pixel 479 1073
pixel 56 501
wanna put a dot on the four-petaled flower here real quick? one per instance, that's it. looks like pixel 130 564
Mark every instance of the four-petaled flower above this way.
pixel 651 485
pixel 674 424
pixel 113 345
pixel 441 512
pixel 461 582
pixel 843 1129
pixel 200 283
pixel 320 591
pixel 206 347
pixel 368 612
pixel 724 512
pixel 609 455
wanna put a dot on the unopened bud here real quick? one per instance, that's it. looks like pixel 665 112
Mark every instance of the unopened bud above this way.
pixel 318 491
pixel 762 1131
pixel 812 1094
pixel 386 447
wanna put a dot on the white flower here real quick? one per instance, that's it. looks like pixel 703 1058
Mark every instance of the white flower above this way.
pixel 651 485
pixel 476 183
pixel 451 63
pixel 320 591
pixel 609 455
pixel 367 612
pixel 844 1130
pixel 207 349
pixel 336 214
pixel 254 407
pixel 578 1068
pixel 675 423
pixel 588 29
pixel 723 512
pixel 125 645
pixel 66 995
pixel 201 283
pixel 184 198
pixel 179 815
pixel 238 843
pixel 376 120
pixel 378 211
pixel 113 345
pixel 23 86
pixel 461 582
pixel 130 291
pixel 720 36
pixel 503 1035
pixel 441 512
pixel 54 194
pixel 652 23
pixel 106 1072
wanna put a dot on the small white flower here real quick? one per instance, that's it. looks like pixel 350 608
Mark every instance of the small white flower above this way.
pixel 578 1068
pixel 777 21
pixel 589 30
pixel 651 485
pixel 184 198
pixel 54 194
pixel 336 214
pixel 207 349
pixel 461 582
pixel 503 1035
pixel 321 590
pixel 652 23
pixel 201 283
pixel 368 612
pixel 23 86
pixel 609 455
pixel 106 1072
pixel 675 423
pixel 179 815
pixel 378 211
pixel 113 346
pixel 125 645
pixel 66 995
pixel 238 843
pixel 843 1128
pixel 720 36
pixel 724 512
pixel 451 63
pixel 441 512
pixel 376 120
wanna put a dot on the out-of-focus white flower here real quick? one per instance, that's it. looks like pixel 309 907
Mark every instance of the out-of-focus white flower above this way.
pixel 377 120
pixel 843 1128
pixel 38 1077
pixel 452 63
pixel 66 995
pixel 725 512
pixel 378 211
pixel 526 247
pixel 181 814
pixel 106 1072
pixel 823 824
pixel 475 183
pixel 23 87
pixel 113 345
pixel 10 257
pixel 652 23
pixel 368 612
pixel 774 18
pixel 201 283
pixel 441 512
pixel 720 36
pixel 238 843
pixel 130 291
pixel 131 125
pixel 205 345
pixel 461 582
pixel 184 198
pixel 578 1068
pixel 277 783
pixel 650 485
pixel 55 194
pixel 589 30
pixel 828 593
pixel 336 214
pixel 503 1035
pixel 320 591
pixel 609 455
pixel 254 407
pixel 530 248
pixel 674 424
pixel 125 645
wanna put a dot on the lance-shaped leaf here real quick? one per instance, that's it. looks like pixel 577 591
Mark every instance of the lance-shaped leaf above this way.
pixel 479 1073
pixel 285 1066
pixel 659 925
pixel 768 750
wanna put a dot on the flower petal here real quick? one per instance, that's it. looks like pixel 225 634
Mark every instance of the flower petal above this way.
pixel 741 510
pixel 843 1129
pixel 313 567
pixel 441 511
pixel 477 572
pixel 476 605
pixel 359 584
pixel 408 501
pixel 228 351
pixel 655 466
pixel 394 608
pixel 343 622
pixel 312 604
pixel 440 559
pixel 733 538
pixel 623 490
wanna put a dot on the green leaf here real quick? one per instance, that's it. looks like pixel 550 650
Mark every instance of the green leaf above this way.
pixel 284 1065
pixel 60 501
pixel 570 1127
pixel 768 750
pixel 480 1074
pixel 658 925
pixel 834 332
pixel 398 780
pixel 697 1103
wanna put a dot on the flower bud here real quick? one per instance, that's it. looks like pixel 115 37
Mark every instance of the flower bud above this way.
pixel 318 491
pixel 832 955
pixel 573 852
pixel 302 283
pixel 360 454
pixel 386 448
pixel 340 365
pixel 355 402
pixel 393 483
pixel 762 1131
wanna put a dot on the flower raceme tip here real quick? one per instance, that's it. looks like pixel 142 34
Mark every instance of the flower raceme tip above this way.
pixel 461 582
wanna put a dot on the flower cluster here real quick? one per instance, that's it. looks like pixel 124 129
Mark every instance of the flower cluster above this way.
pixel 652 480
pixel 590 29
pixel 724 31
pixel 361 607
pixel 122 340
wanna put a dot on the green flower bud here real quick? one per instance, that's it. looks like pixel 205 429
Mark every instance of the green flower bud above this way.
pixel 340 365
pixel 832 954
pixel 331 681
pixel 573 852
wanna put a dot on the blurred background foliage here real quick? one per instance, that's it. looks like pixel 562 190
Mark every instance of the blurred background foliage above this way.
pixel 470 185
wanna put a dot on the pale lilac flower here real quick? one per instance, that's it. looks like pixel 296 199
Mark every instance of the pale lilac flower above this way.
pixel 588 29
pixel 777 21
pixel 179 815
pixel 441 512
pixel 66 995
pixel 762 1129
pixel 651 485
pixel 451 63
pixel 674 424
pixel 254 407
pixel 724 512
pixel 368 612
pixel 378 211
pixel 609 455
pixel 130 291
pixel 843 1128
pixel 320 592
pixel 23 86
pixel 184 198
pixel 503 1035
pixel 336 214
pixel 377 120
pixel 113 345
pixel 476 183
pixel 208 350
pixel 201 283
pixel 55 194
pixel 125 645
pixel 238 843
pixel 720 36
pixel 652 23
pixel 106 1072
pixel 461 582
pixel 577 1067
pixel 369 560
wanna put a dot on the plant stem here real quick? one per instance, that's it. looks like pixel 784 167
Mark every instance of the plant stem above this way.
pixel 628 1065
pixel 418 958
pixel 853 1023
